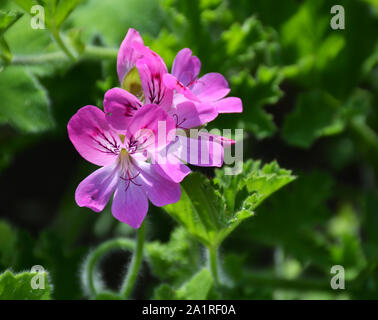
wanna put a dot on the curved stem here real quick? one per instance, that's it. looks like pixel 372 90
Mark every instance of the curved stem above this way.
pixel 62 45
pixel 213 263
pixel 135 264
pixel 95 256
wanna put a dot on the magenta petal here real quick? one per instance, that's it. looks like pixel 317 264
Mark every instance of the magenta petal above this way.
pixel 151 70
pixel 229 105
pixel 175 172
pixel 150 119
pixel 210 87
pixel 119 106
pixel 172 83
pixel 92 136
pixel 203 150
pixel 130 204
pixel 94 191
pixel 189 115
pixel 127 55
pixel 159 190
pixel 186 67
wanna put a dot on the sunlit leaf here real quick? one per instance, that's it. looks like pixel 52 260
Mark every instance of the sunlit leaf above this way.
pixel 18 286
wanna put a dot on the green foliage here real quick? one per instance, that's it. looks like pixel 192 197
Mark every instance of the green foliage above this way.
pixel 18 287
pixel 7 19
pixel 8 244
pixel 56 11
pixel 176 259
pixel 116 17
pixel 196 288
pixel 316 115
pixel 209 216
pixel 309 100
pixel 24 100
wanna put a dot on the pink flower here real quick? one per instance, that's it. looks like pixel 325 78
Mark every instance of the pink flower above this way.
pixel 209 91
pixel 125 159
pixel 121 105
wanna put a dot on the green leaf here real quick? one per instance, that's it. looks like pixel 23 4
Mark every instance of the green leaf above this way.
pixel 56 11
pixel 292 218
pixel 164 292
pixel 24 101
pixel 245 192
pixel 316 114
pixel 8 245
pixel 18 287
pixel 175 260
pixel 211 217
pixel 197 288
pixel 266 180
pixel 64 9
pixel 7 19
pixel 116 17
pixel 261 91
pixel 200 209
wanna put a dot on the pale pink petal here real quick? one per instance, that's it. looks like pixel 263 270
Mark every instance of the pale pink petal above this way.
pixel 92 136
pixel 186 67
pixel 159 190
pixel 210 87
pixel 172 83
pixel 172 171
pixel 120 106
pixel 229 105
pixel 130 204
pixel 127 55
pixel 189 115
pixel 202 150
pixel 94 191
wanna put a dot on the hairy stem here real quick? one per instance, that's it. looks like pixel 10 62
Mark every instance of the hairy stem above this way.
pixel 96 255
pixel 213 263
pixel 90 53
pixel 135 264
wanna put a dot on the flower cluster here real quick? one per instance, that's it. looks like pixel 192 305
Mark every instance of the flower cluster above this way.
pixel 141 140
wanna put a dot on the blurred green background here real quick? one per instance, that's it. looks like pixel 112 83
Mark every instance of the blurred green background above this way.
pixel 310 102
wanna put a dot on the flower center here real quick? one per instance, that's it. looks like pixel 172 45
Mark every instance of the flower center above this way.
pixel 128 172
pixel 132 83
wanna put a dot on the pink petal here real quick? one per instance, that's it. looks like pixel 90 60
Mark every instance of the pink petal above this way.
pixel 127 55
pixel 130 204
pixel 148 122
pixel 159 190
pixel 120 106
pixel 203 150
pixel 175 172
pixel 172 83
pixel 229 105
pixel 186 67
pixel 189 115
pixel 151 70
pixel 94 191
pixel 225 142
pixel 210 87
pixel 92 136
